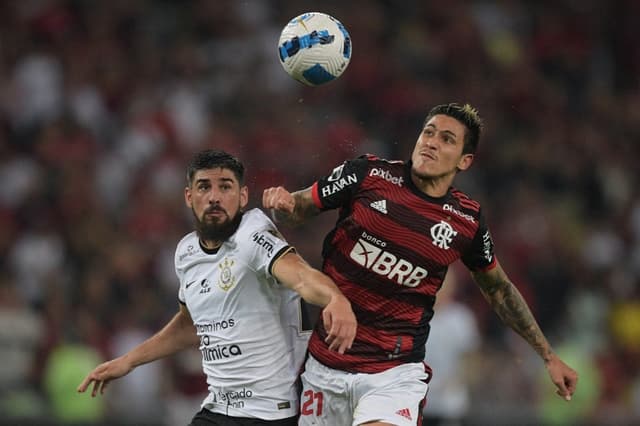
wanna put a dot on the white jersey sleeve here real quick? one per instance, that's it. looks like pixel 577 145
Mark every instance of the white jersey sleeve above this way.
pixel 266 244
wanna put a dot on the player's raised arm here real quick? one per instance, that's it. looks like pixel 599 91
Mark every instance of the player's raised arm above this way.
pixel 292 209
pixel 317 288
pixel 179 333
pixel 513 310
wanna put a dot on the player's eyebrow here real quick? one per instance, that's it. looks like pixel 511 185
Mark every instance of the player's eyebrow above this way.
pixel 449 132
pixel 220 180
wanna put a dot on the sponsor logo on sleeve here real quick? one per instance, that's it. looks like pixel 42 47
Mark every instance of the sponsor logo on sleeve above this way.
pixel 338 184
pixel 487 246
pixel 265 242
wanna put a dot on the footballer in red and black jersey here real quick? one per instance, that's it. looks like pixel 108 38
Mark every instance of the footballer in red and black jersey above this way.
pixel 389 253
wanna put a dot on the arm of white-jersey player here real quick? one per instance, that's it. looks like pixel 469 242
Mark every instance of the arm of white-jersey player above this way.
pixel 178 334
pixel 317 288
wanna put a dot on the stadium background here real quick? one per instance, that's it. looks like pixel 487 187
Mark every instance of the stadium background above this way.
pixel 101 103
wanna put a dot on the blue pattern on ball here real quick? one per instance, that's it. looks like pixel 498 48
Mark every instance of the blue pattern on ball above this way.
pixel 317 75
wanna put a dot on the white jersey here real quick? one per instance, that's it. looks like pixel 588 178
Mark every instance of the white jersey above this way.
pixel 249 325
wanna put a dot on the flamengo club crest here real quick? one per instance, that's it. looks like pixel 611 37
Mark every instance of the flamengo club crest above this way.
pixel 226 279
pixel 442 234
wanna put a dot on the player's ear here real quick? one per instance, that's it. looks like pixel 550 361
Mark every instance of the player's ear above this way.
pixel 465 161
pixel 244 197
pixel 187 197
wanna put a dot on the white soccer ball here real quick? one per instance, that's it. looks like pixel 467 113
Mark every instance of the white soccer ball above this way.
pixel 314 48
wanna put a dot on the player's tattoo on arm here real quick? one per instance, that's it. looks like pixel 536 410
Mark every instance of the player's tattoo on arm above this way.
pixel 304 209
pixel 512 309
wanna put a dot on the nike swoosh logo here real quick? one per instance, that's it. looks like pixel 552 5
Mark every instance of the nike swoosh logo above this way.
pixel 188 285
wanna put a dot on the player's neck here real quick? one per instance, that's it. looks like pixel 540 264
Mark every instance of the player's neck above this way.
pixel 210 244
pixel 435 187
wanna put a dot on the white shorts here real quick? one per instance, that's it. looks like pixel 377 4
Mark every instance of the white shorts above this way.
pixel 336 398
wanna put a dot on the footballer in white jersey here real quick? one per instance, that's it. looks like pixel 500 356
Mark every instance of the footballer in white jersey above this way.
pixel 248 324
pixel 241 291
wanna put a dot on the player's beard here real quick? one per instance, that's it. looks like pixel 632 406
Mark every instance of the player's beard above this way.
pixel 217 231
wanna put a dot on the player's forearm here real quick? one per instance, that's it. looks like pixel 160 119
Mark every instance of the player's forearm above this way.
pixel 316 288
pixel 177 335
pixel 513 310
pixel 303 210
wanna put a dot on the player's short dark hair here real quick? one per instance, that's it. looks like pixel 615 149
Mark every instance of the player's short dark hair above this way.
pixel 213 159
pixel 468 116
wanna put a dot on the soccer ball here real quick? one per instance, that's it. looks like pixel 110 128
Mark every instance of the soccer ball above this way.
pixel 314 48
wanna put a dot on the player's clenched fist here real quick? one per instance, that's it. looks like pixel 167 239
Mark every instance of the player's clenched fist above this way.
pixel 278 198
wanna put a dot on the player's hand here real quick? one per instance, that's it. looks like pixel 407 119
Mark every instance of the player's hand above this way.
pixel 279 199
pixel 340 323
pixel 563 376
pixel 103 374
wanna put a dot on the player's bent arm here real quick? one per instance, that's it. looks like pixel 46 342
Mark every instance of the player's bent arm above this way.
pixel 512 309
pixel 317 288
pixel 291 209
pixel 179 333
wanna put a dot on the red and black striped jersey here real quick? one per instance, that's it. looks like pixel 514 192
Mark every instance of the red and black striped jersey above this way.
pixel 389 253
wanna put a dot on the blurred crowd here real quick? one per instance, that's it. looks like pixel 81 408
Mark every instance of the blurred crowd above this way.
pixel 102 104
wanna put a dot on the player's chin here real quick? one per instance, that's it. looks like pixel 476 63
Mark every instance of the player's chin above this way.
pixel 423 173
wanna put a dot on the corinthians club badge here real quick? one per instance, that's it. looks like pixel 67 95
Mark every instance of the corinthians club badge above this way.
pixel 226 280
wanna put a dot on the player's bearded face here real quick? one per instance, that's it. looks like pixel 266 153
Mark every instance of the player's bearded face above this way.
pixel 215 224
pixel 216 200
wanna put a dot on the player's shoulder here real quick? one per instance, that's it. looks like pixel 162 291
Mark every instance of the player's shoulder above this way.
pixel 376 160
pixel 257 237
pixel 463 200
pixel 254 222
pixel 374 166
pixel 186 247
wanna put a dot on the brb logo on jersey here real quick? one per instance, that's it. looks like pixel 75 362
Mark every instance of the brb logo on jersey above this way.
pixel 385 263
pixel 442 234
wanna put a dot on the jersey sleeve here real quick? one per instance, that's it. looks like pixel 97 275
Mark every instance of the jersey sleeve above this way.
pixel 337 189
pixel 180 275
pixel 480 256
pixel 265 245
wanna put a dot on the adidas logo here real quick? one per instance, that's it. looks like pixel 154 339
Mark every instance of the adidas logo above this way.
pixel 404 412
pixel 380 205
